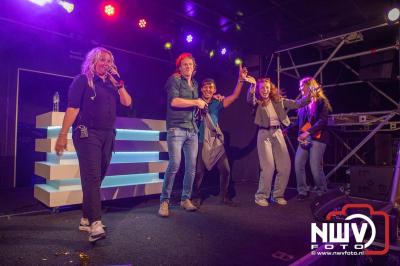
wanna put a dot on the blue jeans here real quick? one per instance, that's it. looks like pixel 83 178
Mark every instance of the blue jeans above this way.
pixel 315 153
pixel 179 139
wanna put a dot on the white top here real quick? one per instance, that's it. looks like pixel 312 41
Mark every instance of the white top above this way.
pixel 273 117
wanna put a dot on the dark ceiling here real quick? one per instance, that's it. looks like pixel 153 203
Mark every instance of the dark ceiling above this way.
pixel 248 27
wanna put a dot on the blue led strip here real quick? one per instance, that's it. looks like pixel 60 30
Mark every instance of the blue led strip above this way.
pixel 109 181
pixel 122 134
pixel 117 157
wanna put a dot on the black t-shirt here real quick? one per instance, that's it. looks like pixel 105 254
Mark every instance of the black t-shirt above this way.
pixel 97 106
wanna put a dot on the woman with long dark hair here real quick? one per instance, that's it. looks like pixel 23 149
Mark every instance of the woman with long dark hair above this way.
pixel 270 113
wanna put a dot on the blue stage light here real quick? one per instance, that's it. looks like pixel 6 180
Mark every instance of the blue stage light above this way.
pixel 189 38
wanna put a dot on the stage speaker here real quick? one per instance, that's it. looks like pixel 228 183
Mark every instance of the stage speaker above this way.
pixel 332 200
pixel 383 149
pixel 371 182
pixel 393 225
pixel 377 66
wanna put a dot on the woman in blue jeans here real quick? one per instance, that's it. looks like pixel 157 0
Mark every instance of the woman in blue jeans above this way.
pixel 313 137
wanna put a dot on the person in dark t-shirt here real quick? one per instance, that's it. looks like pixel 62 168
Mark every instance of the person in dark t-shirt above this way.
pixel 92 100
pixel 208 90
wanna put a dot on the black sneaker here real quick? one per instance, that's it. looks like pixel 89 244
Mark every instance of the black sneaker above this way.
pixel 228 202
pixel 301 197
pixel 197 202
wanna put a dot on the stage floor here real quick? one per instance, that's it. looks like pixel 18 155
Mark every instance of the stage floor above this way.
pixel 214 235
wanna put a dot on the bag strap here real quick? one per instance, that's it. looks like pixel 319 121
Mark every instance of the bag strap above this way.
pixel 209 119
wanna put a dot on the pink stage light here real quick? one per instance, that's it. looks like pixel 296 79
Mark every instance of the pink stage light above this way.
pixel 142 23
pixel 109 10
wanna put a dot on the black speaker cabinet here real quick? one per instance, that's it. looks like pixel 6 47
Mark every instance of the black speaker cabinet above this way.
pixel 371 182
pixel 393 226
pixel 332 200
pixel 383 144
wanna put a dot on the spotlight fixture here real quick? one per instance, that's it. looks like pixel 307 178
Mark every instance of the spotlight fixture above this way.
pixel 189 38
pixel 41 2
pixel 393 15
pixel 238 27
pixel 211 54
pixel 142 23
pixel 223 51
pixel 69 7
pixel 109 10
pixel 167 46
pixel 238 61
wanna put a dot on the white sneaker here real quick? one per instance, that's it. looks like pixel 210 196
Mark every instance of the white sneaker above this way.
pixel 84 225
pixel 281 201
pixel 261 202
pixel 96 231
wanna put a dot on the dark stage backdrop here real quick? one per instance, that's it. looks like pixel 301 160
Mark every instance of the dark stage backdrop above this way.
pixel 39 55
pixel 35 96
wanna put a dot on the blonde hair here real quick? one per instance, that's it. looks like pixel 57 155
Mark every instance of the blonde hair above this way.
pixel 92 57
pixel 318 92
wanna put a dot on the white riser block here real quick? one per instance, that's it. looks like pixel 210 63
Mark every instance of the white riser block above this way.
pixel 52 171
pixel 48 145
pixel 55 198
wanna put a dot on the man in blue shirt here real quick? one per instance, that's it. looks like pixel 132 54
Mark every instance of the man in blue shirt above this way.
pixel 208 89
pixel 182 102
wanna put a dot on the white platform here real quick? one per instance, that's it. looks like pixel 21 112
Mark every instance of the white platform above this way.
pixel 134 170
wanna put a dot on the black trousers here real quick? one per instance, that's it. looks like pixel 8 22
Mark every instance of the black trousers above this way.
pixel 223 169
pixel 94 155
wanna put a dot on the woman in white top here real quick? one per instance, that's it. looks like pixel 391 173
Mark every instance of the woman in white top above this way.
pixel 272 150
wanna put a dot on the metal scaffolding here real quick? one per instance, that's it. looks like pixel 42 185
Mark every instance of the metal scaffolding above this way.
pixel 367 122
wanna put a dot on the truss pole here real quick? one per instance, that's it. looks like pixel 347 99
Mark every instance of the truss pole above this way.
pixel 329 58
pixel 278 70
pixel 370 135
pixel 347 146
pixel 343 57
pixel 295 69
pixel 333 37
pixel 369 83
pixel 269 64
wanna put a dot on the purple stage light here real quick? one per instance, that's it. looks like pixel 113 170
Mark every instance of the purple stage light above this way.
pixel 190 9
pixel 41 2
pixel 189 38
pixel 223 51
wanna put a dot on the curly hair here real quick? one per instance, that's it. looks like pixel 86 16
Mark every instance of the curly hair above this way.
pixel 275 94
pixel 92 57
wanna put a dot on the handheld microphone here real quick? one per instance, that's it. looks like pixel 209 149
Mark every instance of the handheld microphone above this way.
pixel 116 77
